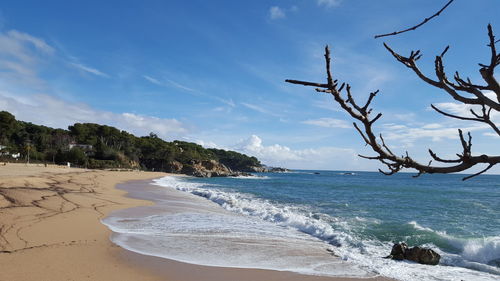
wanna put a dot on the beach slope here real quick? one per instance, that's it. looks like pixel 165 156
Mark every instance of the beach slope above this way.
pixel 50 229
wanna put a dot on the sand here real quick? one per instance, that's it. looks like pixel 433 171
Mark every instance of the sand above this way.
pixel 50 230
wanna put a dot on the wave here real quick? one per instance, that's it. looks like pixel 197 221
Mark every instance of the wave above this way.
pixel 481 254
pixel 246 204
pixel 251 177
pixel 368 252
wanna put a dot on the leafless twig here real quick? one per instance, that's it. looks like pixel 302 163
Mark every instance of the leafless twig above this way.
pixel 418 25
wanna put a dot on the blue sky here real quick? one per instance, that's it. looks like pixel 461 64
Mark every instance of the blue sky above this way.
pixel 213 72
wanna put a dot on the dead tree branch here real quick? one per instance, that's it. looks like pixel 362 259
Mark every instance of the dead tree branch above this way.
pixel 418 25
pixel 460 91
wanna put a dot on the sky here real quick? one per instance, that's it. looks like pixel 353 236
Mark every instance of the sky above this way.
pixel 212 72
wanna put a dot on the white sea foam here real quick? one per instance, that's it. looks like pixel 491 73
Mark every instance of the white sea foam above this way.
pixel 264 222
pixel 246 204
pixel 251 177
pixel 217 237
pixel 475 253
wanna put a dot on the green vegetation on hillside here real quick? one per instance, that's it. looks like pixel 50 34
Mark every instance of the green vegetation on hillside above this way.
pixel 100 146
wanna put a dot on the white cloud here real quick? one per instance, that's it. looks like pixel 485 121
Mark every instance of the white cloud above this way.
pixel 410 132
pixel 409 135
pixel 276 12
pixel 207 144
pixel 328 123
pixel 54 112
pixel 432 126
pixel 461 109
pixel 493 135
pixel 88 69
pixel 329 3
pixel 318 158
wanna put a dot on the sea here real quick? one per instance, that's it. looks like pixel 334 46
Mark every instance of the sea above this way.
pixel 332 223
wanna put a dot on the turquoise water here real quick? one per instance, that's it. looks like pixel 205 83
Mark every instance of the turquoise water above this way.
pixel 357 216
pixel 458 217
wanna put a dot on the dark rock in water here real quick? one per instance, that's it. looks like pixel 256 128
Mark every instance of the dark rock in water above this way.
pixel 398 251
pixel 278 170
pixel 421 255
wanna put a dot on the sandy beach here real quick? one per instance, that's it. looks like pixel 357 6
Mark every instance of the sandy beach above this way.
pixel 50 229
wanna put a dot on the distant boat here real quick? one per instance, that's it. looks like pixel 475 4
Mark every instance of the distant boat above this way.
pixel 316 173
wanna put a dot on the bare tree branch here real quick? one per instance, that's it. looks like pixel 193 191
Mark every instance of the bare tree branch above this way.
pixel 445 84
pixel 395 163
pixel 418 25
pixel 477 174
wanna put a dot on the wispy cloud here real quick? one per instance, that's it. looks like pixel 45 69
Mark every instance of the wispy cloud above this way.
pixel 259 109
pixel 329 3
pixel 229 102
pixel 152 80
pixel 171 83
pixel 168 83
pixel 20 57
pixel 409 135
pixel 328 123
pixel 254 107
pixel 276 12
pixel 89 69
pixel 180 86
pixel 21 37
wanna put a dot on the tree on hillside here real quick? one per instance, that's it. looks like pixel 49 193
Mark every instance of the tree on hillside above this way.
pixel 482 100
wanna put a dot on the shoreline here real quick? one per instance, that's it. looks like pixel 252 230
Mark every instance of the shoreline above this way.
pixel 179 270
pixel 51 230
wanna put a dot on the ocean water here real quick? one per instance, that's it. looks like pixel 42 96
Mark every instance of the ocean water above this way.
pixel 321 222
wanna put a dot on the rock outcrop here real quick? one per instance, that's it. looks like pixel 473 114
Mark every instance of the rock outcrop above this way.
pixel 257 169
pixel 173 167
pixel 203 169
pixel 278 170
pixel 421 255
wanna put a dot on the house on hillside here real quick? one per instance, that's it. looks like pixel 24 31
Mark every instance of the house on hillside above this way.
pixel 87 148
pixel 84 147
